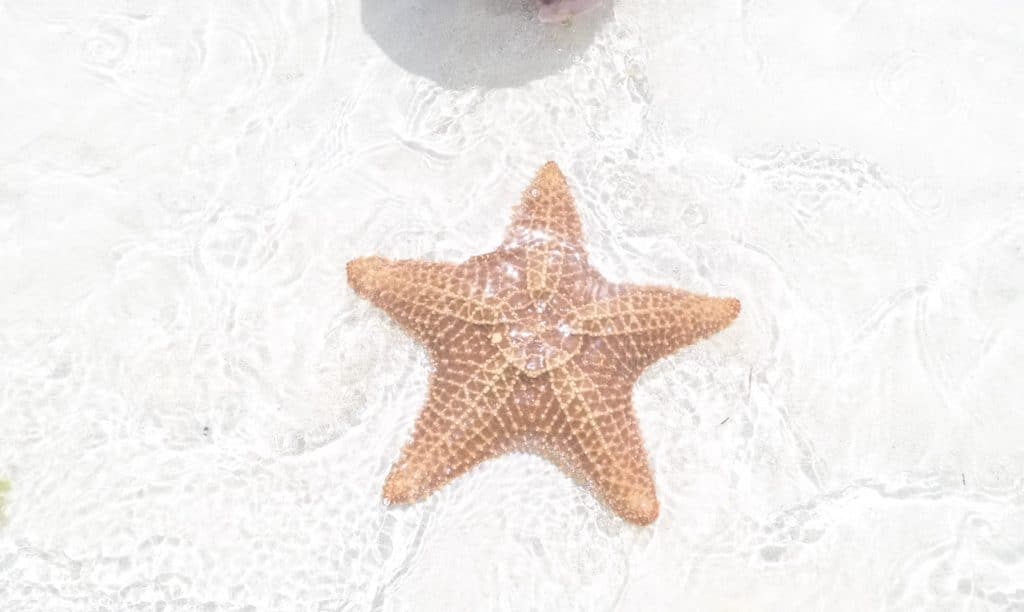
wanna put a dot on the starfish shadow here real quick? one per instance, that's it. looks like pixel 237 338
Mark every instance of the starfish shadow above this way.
pixel 461 44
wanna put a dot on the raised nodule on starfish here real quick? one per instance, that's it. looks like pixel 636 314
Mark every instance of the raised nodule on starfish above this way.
pixel 534 350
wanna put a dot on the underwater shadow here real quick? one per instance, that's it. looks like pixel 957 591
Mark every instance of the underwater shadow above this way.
pixel 461 44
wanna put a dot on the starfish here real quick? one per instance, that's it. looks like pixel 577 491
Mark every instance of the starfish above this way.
pixel 533 350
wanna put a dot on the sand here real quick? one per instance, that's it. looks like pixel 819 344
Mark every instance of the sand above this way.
pixel 196 412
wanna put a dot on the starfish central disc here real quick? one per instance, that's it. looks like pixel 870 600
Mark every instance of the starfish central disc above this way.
pixel 541 338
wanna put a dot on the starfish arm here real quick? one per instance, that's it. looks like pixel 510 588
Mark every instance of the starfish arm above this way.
pixel 605 446
pixel 546 212
pixel 427 298
pixel 458 427
pixel 643 324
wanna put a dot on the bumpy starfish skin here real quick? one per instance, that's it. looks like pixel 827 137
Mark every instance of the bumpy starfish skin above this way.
pixel 534 350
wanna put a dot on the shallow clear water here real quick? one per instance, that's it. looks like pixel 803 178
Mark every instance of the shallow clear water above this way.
pixel 196 412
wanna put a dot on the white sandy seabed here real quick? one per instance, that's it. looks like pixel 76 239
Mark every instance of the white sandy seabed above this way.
pixel 196 413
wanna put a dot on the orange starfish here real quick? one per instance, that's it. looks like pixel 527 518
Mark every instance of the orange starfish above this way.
pixel 533 350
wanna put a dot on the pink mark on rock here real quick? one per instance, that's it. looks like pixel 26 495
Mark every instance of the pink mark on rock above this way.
pixel 557 11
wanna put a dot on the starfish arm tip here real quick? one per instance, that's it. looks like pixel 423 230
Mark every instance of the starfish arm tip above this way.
pixel 400 488
pixel 724 312
pixel 719 313
pixel 550 171
pixel 362 273
pixel 640 508
pixel 546 212
pixel 734 306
